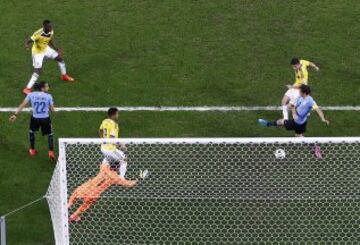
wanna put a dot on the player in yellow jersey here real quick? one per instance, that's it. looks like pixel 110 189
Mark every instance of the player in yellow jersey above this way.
pixel 115 161
pixel 44 47
pixel 301 78
pixel 113 153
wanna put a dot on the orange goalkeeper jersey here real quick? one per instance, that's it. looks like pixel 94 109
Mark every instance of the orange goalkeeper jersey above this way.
pixel 98 184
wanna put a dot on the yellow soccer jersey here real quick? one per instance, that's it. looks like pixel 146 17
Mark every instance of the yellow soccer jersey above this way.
pixel 110 130
pixel 301 76
pixel 41 41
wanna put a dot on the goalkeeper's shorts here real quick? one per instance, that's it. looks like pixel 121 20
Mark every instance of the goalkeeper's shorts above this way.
pixel 113 156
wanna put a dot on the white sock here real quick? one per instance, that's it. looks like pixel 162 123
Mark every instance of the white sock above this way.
pixel 62 67
pixel 285 112
pixel 123 166
pixel 32 80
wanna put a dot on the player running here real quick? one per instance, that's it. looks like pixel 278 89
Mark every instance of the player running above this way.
pixel 109 128
pixel 303 105
pixel 91 190
pixel 44 47
pixel 301 77
pixel 41 102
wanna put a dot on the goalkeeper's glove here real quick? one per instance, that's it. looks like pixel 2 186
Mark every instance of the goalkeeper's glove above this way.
pixel 143 174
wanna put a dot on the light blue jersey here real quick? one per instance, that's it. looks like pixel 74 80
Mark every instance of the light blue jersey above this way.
pixel 303 106
pixel 40 103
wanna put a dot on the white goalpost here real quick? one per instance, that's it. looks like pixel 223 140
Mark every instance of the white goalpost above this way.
pixel 213 191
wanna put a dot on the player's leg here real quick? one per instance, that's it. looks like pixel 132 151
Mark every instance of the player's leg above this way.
pixel 289 98
pixel 276 123
pixel 88 202
pixel 116 156
pixel 37 64
pixel 121 158
pixel 73 198
pixel 52 54
pixel 91 197
pixel 300 129
pixel 46 129
pixel 34 126
pixel 284 105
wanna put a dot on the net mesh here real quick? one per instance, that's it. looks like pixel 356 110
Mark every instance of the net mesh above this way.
pixel 54 200
pixel 217 193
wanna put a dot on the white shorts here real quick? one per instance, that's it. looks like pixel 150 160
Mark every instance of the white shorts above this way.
pixel 293 94
pixel 38 59
pixel 113 156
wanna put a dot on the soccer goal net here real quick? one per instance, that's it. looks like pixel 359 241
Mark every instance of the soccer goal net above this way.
pixel 214 191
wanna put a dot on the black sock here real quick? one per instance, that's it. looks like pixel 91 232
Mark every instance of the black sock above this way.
pixel 274 123
pixel 51 142
pixel 32 139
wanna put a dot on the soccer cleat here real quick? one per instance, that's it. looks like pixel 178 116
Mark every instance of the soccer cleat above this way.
pixel 32 152
pixel 26 91
pixel 67 78
pixel 51 155
pixel 317 152
pixel 74 218
pixel 263 122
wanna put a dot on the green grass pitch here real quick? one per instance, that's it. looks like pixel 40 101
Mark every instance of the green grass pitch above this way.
pixel 169 53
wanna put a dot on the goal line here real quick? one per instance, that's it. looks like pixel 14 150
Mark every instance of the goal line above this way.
pixel 185 108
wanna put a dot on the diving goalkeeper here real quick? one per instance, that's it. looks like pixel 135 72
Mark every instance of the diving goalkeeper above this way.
pixel 91 190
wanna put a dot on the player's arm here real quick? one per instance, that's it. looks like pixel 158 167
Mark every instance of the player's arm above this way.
pixel 18 110
pixel 31 40
pixel 51 104
pixel 313 65
pixel 123 182
pixel 28 42
pixel 101 133
pixel 321 114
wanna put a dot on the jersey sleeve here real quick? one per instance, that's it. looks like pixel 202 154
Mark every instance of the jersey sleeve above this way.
pixel 51 100
pixel 103 125
pixel 315 106
pixel 305 63
pixel 35 36
pixel 28 98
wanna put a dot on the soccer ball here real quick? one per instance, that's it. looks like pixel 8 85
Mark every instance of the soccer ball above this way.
pixel 280 154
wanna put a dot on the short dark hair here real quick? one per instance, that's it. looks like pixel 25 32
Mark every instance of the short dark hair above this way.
pixel 305 89
pixel 294 61
pixel 45 22
pixel 114 166
pixel 38 86
pixel 112 111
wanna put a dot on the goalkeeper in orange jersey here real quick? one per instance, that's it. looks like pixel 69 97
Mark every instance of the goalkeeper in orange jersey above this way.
pixel 91 190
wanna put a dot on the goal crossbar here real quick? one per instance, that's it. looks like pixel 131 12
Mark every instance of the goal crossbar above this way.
pixel 211 140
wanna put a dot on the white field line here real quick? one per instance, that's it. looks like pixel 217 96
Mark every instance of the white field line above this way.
pixel 185 108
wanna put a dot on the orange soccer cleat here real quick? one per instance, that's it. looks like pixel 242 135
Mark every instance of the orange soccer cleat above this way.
pixel 67 78
pixel 74 218
pixel 51 155
pixel 26 91
pixel 32 152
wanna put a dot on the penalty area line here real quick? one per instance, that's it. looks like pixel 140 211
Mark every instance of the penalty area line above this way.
pixel 185 108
